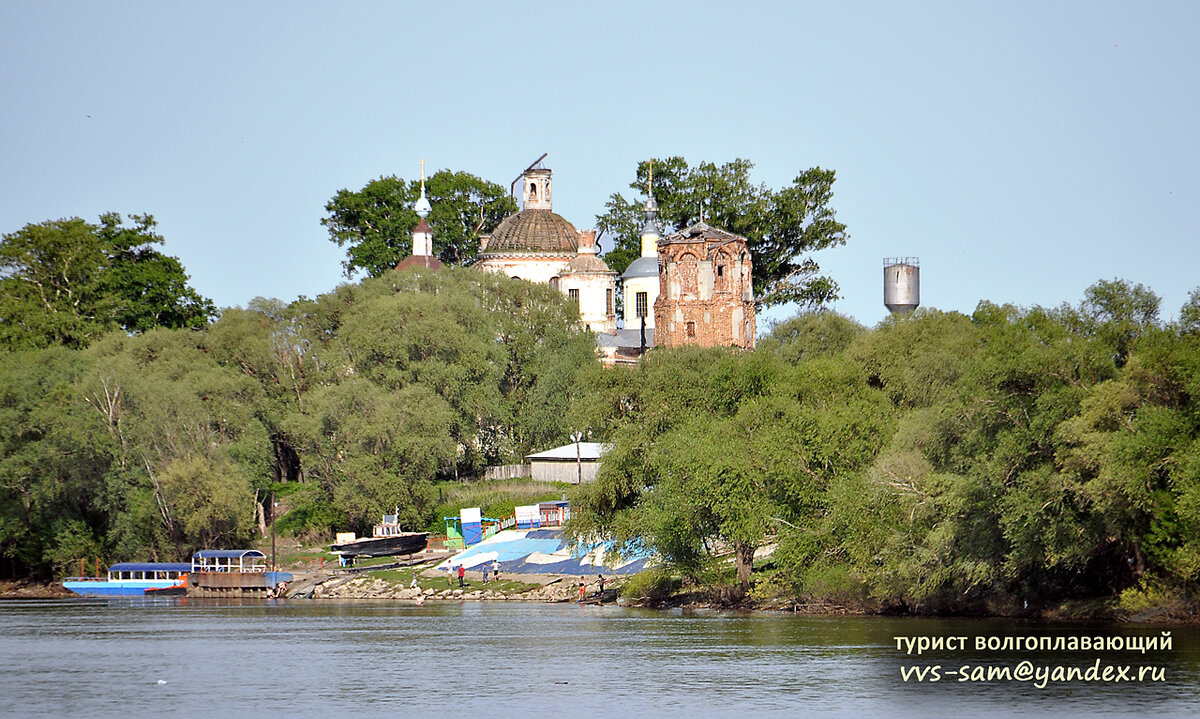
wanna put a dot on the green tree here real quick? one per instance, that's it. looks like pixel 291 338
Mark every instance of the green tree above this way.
pixel 68 282
pixel 782 227
pixel 822 333
pixel 171 413
pixel 152 287
pixel 54 458
pixel 373 450
pixel 712 449
pixel 1117 312
pixel 1189 314
pixel 375 223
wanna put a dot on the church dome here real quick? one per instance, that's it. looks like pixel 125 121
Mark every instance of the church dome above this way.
pixel 586 263
pixel 641 267
pixel 534 231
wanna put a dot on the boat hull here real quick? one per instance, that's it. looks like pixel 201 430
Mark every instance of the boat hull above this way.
pixel 408 543
pixel 120 588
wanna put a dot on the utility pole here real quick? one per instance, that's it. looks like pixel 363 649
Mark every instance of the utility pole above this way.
pixel 273 566
pixel 578 436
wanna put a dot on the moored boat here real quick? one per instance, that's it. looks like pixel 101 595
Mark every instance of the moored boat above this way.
pixel 387 539
pixel 133 579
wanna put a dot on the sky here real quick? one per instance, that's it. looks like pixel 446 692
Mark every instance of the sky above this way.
pixel 1022 150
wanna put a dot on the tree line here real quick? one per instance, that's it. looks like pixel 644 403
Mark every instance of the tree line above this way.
pixel 153 444
pixel 937 462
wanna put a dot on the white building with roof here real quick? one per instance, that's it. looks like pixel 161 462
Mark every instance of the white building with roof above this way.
pixel 574 463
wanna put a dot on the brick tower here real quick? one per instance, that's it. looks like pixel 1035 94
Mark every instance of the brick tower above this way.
pixel 706 294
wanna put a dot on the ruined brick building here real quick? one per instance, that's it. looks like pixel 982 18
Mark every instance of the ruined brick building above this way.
pixel 706 294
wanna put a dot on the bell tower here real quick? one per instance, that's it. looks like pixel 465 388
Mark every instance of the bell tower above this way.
pixel 536 194
pixel 422 236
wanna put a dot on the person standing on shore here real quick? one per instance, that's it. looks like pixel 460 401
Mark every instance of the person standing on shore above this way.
pixel 582 587
pixel 495 570
pixel 600 578
pixel 462 573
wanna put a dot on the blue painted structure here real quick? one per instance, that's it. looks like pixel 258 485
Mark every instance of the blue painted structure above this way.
pixel 472 525
pixel 544 551
pixel 130 579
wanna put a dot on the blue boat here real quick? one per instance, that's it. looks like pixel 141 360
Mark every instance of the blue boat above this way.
pixel 133 579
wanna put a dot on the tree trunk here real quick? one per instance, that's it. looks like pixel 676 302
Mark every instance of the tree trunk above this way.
pixel 261 515
pixel 743 558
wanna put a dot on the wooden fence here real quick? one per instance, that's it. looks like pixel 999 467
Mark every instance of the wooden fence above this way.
pixel 506 471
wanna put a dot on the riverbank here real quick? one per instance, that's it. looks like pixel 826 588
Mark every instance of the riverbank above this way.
pixel 644 591
pixel 650 590
pixel 29 589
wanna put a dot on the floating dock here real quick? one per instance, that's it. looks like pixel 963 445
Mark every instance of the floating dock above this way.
pixel 234 585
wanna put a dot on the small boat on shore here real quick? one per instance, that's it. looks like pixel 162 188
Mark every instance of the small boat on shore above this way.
pixel 134 579
pixel 387 539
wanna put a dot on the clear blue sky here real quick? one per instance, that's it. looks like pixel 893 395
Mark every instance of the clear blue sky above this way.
pixel 1021 150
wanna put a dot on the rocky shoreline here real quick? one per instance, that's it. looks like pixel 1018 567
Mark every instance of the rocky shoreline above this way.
pixel 29 589
pixel 555 589
pixel 543 589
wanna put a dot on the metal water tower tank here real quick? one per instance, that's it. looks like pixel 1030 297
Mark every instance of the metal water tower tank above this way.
pixel 901 284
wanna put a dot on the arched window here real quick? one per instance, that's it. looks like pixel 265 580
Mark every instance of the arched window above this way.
pixel 721 277
pixel 533 190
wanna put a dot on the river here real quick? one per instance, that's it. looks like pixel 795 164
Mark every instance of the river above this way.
pixel 133 658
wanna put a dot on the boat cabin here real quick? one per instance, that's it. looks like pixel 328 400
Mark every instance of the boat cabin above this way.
pixel 229 560
pixel 390 527
pixel 125 571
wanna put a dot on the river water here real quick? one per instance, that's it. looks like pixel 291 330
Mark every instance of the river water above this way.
pixel 133 658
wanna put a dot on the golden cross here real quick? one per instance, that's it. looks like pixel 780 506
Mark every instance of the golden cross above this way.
pixel 650 179
pixel 422 170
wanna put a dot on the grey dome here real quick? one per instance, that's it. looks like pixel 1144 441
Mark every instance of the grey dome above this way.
pixel 641 267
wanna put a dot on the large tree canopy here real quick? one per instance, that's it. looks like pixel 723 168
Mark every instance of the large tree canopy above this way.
pixel 782 227
pixel 712 449
pixel 375 223
pixel 68 282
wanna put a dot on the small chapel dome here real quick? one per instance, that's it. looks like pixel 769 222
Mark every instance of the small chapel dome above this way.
pixel 641 267
pixel 585 263
pixel 422 206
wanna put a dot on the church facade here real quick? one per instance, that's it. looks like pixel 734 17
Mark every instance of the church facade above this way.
pixel 693 287
pixel 538 245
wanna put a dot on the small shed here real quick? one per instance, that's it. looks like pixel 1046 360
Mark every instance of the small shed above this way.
pixel 574 463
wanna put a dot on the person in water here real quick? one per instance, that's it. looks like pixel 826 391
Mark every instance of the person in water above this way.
pixel 582 587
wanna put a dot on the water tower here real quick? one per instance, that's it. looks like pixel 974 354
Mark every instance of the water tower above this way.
pixel 901 284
